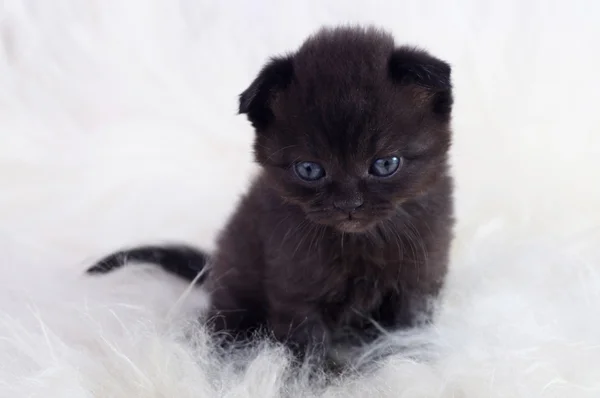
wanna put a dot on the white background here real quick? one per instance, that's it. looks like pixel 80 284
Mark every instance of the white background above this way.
pixel 118 126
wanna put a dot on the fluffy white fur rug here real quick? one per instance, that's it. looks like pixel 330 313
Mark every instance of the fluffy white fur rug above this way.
pixel 118 126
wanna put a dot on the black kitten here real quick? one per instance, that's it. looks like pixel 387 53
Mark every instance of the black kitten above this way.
pixel 350 221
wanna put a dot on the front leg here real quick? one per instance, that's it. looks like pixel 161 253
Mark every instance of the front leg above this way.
pixel 301 329
pixel 236 314
pixel 235 284
pixel 408 309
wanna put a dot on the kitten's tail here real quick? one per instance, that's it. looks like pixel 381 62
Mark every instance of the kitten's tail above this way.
pixel 180 260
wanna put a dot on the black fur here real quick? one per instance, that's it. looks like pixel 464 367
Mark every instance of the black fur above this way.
pixel 255 100
pixel 180 260
pixel 314 261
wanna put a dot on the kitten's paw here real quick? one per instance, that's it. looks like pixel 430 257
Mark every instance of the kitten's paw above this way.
pixel 309 341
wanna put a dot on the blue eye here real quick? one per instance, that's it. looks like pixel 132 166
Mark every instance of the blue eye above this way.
pixel 309 171
pixel 385 167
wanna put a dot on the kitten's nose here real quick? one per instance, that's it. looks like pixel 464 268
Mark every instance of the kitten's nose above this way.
pixel 348 204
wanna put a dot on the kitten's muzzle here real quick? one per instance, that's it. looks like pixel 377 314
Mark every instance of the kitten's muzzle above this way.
pixel 348 205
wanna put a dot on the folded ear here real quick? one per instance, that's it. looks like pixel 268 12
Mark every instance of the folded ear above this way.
pixel 256 100
pixel 430 75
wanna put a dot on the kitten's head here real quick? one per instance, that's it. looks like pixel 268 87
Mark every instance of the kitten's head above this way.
pixel 351 126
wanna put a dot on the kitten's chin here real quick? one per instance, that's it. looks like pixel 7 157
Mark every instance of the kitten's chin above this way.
pixel 344 223
pixel 353 226
pixel 347 226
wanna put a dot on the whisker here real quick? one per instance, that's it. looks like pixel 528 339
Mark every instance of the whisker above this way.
pixel 275 229
pixel 279 150
pixel 398 236
pixel 415 239
pixel 311 226
pixel 316 237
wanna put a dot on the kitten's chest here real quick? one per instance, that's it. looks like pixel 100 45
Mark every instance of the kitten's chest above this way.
pixel 358 275
pixel 320 266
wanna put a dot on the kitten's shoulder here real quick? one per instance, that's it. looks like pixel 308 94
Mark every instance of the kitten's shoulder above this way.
pixel 254 207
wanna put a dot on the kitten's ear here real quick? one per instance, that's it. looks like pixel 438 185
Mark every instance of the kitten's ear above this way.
pixel 412 66
pixel 256 100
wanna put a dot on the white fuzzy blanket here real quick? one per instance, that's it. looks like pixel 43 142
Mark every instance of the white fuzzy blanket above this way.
pixel 118 126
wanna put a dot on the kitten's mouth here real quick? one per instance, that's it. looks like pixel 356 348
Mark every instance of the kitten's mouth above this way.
pixel 351 224
pixel 348 222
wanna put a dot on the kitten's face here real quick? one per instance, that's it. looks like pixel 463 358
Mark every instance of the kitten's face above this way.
pixel 350 127
pixel 350 195
pixel 354 171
